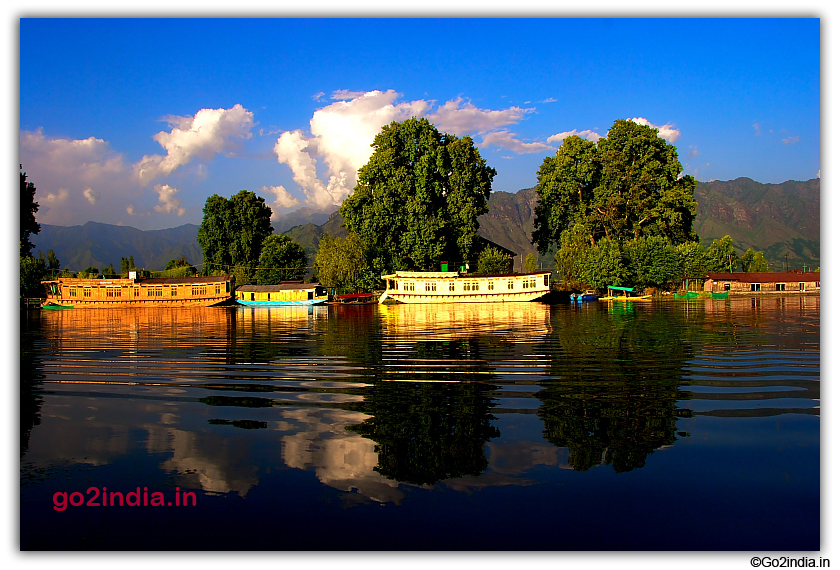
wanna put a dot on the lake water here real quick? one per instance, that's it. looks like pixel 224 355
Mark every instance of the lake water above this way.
pixel 660 426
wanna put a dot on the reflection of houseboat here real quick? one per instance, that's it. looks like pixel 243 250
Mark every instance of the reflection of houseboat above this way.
pixel 353 299
pixel 140 292
pixel 452 287
pixel 287 293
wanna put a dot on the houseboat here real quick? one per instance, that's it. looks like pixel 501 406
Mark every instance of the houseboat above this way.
pixel 454 287
pixel 136 291
pixel 287 293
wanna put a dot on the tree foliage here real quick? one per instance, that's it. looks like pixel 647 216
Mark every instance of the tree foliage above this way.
pixel 530 265
pixel 720 256
pixel 418 198
pixel 493 261
pixel 232 231
pixel 754 261
pixel 340 263
pixel 31 272
pixel 282 259
pixel 28 207
pixel 626 187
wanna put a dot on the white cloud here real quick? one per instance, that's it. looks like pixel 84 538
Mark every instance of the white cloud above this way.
pixel 506 139
pixel 66 171
pixel 344 94
pixel 168 202
pixel 341 135
pixel 667 131
pixel 459 119
pixel 757 129
pixel 130 209
pixel 283 199
pixel 550 100
pixel 208 133
pixel 587 134
pixel 791 140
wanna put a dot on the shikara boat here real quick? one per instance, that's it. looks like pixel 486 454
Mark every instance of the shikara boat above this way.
pixel 616 293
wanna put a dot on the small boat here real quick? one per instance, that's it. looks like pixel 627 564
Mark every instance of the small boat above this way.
pixel 588 295
pixel 287 293
pixel 615 293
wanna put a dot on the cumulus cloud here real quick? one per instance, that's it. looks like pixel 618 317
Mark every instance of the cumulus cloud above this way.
pixel 66 172
pixel 587 134
pixel 667 131
pixel 506 139
pixel 168 202
pixel 208 133
pixel 341 135
pixel 791 140
pixel 283 199
pixel 459 118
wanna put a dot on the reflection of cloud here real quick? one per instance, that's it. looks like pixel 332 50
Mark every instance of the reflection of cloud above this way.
pixel 214 463
pixel 341 459
pixel 519 457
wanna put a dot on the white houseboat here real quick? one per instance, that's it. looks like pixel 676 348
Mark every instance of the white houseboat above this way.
pixel 288 293
pixel 453 287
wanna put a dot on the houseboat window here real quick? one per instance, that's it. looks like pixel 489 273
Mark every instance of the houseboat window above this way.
pixel 525 284
pixel 755 286
pixel 219 289
pixel 174 292
pixel 87 292
pixel 252 296
pixel 489 285
pixel 452 286
pixel 780 286
pixel 801 286
pixel 545 280
pixel 510 284
pixel 309 295
pixel 72 291
pixel 727 286
pixel 430 286
pixel 198 291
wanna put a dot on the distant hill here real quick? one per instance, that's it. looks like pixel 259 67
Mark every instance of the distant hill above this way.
pixel 98 245
pixel 777 219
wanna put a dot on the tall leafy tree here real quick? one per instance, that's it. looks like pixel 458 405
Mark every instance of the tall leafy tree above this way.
pixel 418 198
pixel 720 256
pixel 28 207
pixel 232 231
pixel 340 263
pixel 282 259
pixel 627 186
pixel 493 261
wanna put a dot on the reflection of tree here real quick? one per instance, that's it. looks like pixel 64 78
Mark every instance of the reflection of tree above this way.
pixel 620 371
pixel 428 431
pixel 31 376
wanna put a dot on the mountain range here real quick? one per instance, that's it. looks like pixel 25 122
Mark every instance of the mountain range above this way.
pixel 782 220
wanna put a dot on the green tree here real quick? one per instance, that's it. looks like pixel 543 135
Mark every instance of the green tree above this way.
pixel 90 272
pixel 759 264
pixel 603 265
pixel 720 256
pixel 28 207
pixel 418 198
pixel 282 259
pixel 31 272
pixel 747 259
pixel 628 186
pixel 530 264
pixel 340 263
pixel 652 262
pixel 232 232
pixel 692 259
pixel 493 261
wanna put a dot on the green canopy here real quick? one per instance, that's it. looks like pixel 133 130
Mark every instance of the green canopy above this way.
pixel 630 289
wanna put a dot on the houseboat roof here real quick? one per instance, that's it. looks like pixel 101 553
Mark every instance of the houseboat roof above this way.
pixel 769 277
pixel 295 286
pixel 452 275
pixel 143 280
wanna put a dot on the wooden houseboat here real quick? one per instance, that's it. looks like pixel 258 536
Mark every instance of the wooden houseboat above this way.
pixel 453 287
pixel 139 292
pixel 287 293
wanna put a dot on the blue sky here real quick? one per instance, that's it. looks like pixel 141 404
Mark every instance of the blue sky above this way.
pixel 139 121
